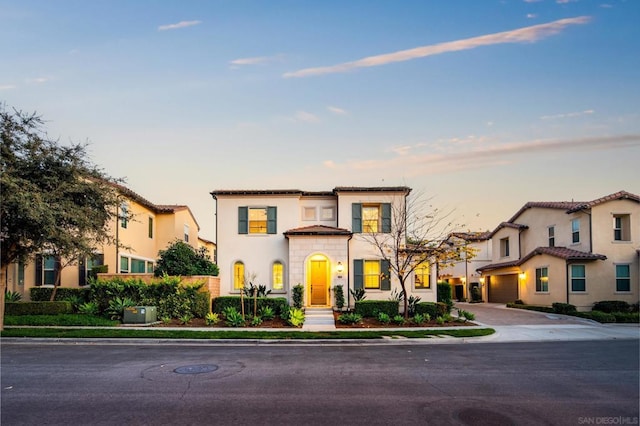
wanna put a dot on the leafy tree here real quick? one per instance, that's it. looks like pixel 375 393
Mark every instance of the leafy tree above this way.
pixel 182 259
pixel 54 199
pixel 417 233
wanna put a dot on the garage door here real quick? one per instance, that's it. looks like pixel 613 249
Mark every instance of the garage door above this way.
pixel 503 288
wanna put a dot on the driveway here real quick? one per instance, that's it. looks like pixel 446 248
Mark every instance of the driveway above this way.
pixel 498 314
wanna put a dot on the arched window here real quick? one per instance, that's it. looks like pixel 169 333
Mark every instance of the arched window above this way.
pixel 238 275
pixel 277 276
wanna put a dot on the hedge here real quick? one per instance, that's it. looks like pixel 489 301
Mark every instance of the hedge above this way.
pixel 433 309
pixel 601 317
pixel 43 294
pixel 371 308
pixel 610 306
pixel 38 308
pixel 564 308
pixel 531 308
pixel 627 317
pixel 222 302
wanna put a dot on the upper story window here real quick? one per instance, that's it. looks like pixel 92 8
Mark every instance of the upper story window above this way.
pixel 277 276
pixel 150 227
pixel 257 220
pixel 371 274
pixel 186 233
pixel 504 247
pixel 308 213
pixel 422 276
pixel 552 236
pixel 371 217
pixel 575 231
pixel 327 213
pixel 124 215
pixel 622 227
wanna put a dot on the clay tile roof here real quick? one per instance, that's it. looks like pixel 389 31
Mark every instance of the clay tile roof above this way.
pixel 472 236
pixel 620 195
pixel 372 189
pixel 507 225
pixel 218 192
pixel 560 252
pixel 317 230
pixel 562 205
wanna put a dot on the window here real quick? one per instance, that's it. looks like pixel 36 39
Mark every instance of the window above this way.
pixel 308 213
pixel 277 276
pixel 371 274
pixel 578 278
pixel 150 267
pixel 552 236
pixel 542 280
pixel 575 231
pixel 46 268
pixel 124 265
pixel 124 215
pixel 257 220
pixel 504 247
pixel 371 217
pixel 20 273
pixel 327 213
pixel 623 278
pixel 150 227
pixel 85 267
pixel 138 266
pixel 238 276
pixel 186 233
pixel 621 227
pixel 422 276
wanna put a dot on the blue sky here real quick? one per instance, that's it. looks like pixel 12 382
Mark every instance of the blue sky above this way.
pixel 481 105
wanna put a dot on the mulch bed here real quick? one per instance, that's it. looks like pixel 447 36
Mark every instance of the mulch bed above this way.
pixel 200 322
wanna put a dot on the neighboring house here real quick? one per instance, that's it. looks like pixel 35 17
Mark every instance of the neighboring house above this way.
pixel 282 238
pixel 462 275
pixel 571 252
pixel 141 231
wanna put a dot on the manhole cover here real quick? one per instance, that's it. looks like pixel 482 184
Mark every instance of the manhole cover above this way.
pixel 196 369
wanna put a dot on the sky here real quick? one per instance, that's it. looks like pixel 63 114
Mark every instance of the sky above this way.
pixel 479 106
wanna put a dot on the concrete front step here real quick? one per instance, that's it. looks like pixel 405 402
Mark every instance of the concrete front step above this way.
pixel 318 319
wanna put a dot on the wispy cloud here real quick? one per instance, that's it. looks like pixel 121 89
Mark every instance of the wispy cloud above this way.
pixel 336 110
pixel 531 15
pixel 606 6
pixel 483 156
pixel 8 87
pixel 306 117
pixel 567 115
pixel 38 80
pixel 181 24
pixel 258 60
pixel 521 35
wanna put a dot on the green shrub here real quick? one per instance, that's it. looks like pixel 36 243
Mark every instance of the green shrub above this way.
pixel 180 259
pixel 43 294
pixel 185 319
pixel 59 320
pixel 211 318
pixel 421 318
pixel 428 308
pixel 627 317
pixel 12 296
pixel 610 306
pixel 440 320
pixel 278 304
pixel 298 296
pixel 267 313
pixel 338 292
pixel 255 321
pixel 601 317
pixel 88 308
pixel 296 317
pixel 38 308
pixel 285 312
pixel 350 318
pixel 546 309
pixel 232 317
pixel 117 306
pixel 444 292
pixel 564 308
pixel 398 319
pixel 384 318
pixel 412 302
pixel 371 308
pixel 466 316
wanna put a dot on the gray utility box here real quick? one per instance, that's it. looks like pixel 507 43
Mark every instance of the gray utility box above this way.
pixel 140 315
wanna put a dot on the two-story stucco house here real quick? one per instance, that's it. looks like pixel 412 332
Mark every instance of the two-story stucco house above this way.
pixel 139 233
pixel 570 252
pixel 282 238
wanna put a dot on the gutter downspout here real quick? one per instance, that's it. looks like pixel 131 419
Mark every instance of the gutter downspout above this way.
pixel 215 238
pixel 567 279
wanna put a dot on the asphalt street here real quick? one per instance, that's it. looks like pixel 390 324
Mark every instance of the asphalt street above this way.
pixel 542 383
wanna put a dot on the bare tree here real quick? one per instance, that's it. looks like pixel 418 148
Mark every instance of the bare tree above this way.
pixel 417 232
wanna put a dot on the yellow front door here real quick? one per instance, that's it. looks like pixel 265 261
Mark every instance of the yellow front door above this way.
pixel 318 282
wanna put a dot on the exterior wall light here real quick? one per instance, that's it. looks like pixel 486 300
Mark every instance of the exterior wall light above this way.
pixel 339 268
pixel 522 275
pixel 481 280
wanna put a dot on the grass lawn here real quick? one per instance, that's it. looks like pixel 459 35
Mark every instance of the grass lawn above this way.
pixel 238 334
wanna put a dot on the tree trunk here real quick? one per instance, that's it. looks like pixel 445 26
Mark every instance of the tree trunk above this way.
pixel 56 284
pixel 404 298
pixel 3 290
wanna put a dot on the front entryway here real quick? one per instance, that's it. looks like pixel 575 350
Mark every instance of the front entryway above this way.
pixel 318 278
